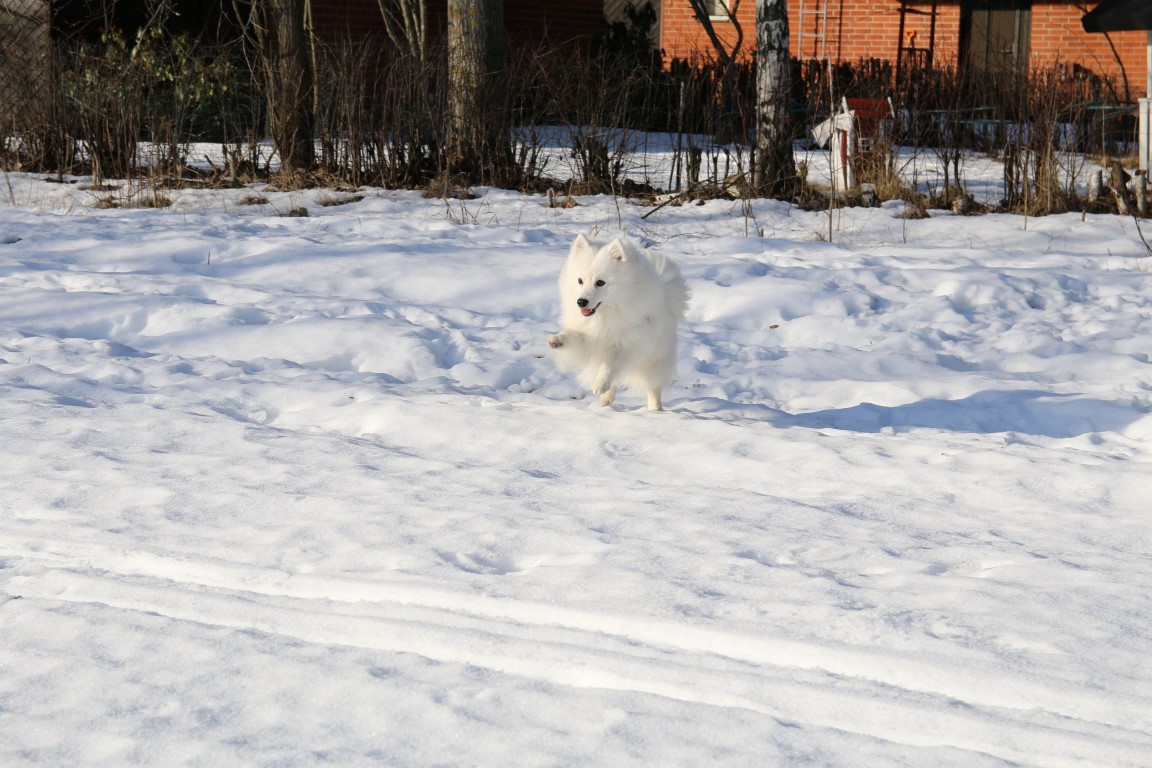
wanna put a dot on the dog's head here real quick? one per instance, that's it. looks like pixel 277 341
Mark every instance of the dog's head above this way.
pixel 592 273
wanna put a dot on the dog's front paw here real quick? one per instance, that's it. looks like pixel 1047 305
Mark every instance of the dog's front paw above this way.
pixel 556 341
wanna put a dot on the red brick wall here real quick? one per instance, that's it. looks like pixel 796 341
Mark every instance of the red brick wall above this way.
pixel 682 37
pixel 1058 37
pixel 860 29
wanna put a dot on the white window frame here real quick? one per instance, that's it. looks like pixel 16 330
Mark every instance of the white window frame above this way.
pixel 719 10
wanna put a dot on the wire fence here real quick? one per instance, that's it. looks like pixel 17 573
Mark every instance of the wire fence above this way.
pixel 26 66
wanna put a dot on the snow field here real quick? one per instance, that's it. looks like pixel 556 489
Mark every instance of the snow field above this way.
pixel 291 491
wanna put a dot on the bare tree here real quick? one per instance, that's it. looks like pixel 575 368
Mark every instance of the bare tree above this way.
pixel 478 140
pixel 775 170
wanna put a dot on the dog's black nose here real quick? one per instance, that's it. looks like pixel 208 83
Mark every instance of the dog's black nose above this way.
pixel 581 302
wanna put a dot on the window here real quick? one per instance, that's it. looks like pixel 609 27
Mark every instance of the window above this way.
pixel 716 8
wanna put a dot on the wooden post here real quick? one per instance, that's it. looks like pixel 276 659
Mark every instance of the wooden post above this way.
pixel 1120 188
pixel 1095 186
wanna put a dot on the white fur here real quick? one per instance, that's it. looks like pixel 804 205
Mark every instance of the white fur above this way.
pixel 630 339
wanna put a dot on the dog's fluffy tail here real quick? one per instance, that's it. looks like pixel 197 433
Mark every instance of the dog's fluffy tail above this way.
pixel 675 289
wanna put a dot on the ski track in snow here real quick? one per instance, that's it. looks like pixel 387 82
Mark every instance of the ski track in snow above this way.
pixel 894 509
pixel 615 653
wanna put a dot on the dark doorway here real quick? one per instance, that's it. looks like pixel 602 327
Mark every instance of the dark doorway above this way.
pixel 995 34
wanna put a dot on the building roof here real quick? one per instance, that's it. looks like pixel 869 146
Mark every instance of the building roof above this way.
pixel 1118 16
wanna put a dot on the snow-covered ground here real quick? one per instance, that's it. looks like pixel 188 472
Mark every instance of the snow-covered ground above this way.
pixel 301 491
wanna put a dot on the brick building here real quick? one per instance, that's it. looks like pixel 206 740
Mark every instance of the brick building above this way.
pixel 989 34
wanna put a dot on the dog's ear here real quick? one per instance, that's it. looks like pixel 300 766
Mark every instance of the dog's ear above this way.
pixel 581 244
pixel 617 251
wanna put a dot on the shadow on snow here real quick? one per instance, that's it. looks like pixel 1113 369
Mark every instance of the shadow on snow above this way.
pixel 1043 414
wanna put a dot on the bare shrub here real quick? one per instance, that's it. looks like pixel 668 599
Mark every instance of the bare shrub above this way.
pixel 583 119
pixel 103 89
pixel 1044 161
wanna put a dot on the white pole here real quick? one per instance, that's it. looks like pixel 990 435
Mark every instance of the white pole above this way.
pixel 1143 126
pixel 1144 118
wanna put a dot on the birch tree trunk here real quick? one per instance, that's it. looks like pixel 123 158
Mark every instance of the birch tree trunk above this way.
pixel 775 171
pixel 478 140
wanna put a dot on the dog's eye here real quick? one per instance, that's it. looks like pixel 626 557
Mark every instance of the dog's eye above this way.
pixel 580 281
pixel 599 283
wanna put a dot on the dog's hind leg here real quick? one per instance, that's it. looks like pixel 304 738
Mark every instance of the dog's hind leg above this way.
pixel 608 396
pixel 653 377
pixel 654 403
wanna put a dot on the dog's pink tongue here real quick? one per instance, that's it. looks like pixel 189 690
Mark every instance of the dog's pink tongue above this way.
pixel 587 311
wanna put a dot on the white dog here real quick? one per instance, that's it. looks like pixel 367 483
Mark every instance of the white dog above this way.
pixel 620 307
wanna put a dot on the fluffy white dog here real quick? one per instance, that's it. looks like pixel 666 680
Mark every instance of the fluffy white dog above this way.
pixel 620 306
